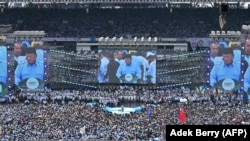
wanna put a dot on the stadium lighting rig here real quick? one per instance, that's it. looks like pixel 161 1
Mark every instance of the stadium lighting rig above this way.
pixel 231 35
pixel 135 41
pixel 117 4
pixel 29 34
pixel 245 29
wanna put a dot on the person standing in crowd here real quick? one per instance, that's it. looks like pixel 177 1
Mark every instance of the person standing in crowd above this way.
pixel 104 61
pixel 112 69
pixel 29 69
pixel 227 69
pixel 129 68
pixel 151 73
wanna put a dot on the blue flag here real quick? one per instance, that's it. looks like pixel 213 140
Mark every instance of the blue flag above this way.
pixel 149 112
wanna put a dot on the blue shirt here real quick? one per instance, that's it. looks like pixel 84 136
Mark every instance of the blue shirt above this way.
pixel 20 59
pixel 120 61
pixel 25 70
pixel 133 69
pixel 247 79
pixel 216 60
pixel 222 71
pixel 103 69
pixel 3 64
pixel 137 60
pixel 152 71
pixel 145 66
pixel 237 56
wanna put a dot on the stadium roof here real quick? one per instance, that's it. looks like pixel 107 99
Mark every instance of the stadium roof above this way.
pixel 162 3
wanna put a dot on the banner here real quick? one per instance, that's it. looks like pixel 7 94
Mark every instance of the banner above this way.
pixel 193 43
pixel 200 42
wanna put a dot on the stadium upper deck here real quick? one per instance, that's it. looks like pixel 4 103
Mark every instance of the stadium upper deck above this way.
pixel 154 22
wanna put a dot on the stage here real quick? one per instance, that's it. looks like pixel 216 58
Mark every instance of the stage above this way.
pixel 123 110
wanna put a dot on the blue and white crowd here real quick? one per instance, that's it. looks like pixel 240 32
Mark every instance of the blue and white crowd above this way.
pixel 65 115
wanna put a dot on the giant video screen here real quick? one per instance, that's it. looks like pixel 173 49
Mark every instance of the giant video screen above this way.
pixel 127 66
pixel 225 65
pixel 28 66
pixel 3 71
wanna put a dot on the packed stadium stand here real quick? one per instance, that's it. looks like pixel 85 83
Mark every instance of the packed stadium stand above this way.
pixel 122 22
pixel 73 104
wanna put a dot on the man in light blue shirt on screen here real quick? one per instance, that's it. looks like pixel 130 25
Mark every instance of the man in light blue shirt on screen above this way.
pixel 129 68
pixel 227 69
pixel 139 61
pixel 18 57
pixel 29 69
pixel 214 51
pixel 104 61
pixel 247 50
pixel 3 64
pixel 151 73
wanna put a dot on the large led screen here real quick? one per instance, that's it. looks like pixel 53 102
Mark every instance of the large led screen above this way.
pixel 225 65
pixel 127 66
pixel 28 66
pixel 3 71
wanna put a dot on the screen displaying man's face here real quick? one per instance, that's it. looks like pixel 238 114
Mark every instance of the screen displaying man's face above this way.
pixel 17 49
pixel 228 58
pixel 31 58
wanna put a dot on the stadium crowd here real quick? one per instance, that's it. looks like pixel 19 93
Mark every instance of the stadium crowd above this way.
pixel 65 115
pixel 154 22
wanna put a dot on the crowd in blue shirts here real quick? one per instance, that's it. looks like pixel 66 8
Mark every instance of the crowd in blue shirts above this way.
pixel 40 116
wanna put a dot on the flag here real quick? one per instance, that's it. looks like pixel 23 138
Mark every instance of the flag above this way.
pixel 193 43
pixel 56 105
pixel 182 116
pixel 82 130
pixel 149 111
